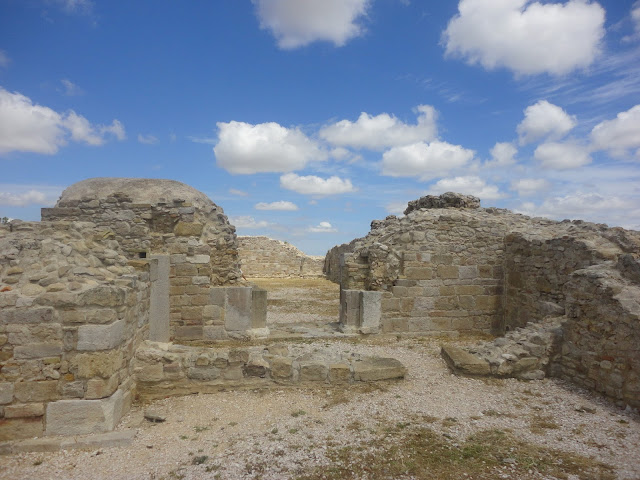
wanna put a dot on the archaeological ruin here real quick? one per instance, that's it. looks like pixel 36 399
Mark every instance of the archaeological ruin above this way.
pixel 136 288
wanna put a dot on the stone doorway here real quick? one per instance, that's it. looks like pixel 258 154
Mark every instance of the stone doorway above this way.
pixel 301 307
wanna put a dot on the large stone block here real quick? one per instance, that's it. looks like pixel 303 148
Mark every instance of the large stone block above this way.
pixel 189 332
pixel 100 388
pixel 16 428
pixel 26 315
pixel 103 364
pixel 37 350
pixel 21 410
pixel 6 393
pixel 81 417
pixel 44 391
pixel 238 309
pixel 100 337
pixel 188 229
pixel 103 296
pixel 258 308
pixel 349 310
pixel 339 373
pixel 372 369
pixel 281 368
pixel 463 362
pixel 370 312
pixel 313 371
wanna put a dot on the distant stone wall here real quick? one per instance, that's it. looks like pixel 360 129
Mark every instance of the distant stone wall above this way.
pixel 72 312
pixel 269 258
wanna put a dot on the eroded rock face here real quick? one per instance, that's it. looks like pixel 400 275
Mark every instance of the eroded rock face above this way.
pixel 446 200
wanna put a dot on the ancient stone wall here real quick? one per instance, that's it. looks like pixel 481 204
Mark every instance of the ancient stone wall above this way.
pixel 333 260
pixel 601 347
pixel 269 258
pixel 72 312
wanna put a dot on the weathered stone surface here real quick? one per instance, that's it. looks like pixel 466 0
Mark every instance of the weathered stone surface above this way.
pixel 281 367
pixel 446 200
pixel 6 393
pixel 371 369
pixel 16 428
pixel 461 361
pixel 79 417
pixel 100 337
pixel 37 350
pixel 99 364
pixel 43 391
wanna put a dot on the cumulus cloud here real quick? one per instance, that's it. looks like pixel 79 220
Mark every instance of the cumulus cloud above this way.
pixel 240 193
pixel 502 155
pixel 396 208
pixel 281 205
pixel 468 185
pixel 382 131
pixel 312 185
pixel 243 148
pixel 562 156
pixel 29 127
pixel 529 186
pixel 526 37
pixel 544 119
pixel 424 160
pixel 619 135
pixel 32 197
pixel 323 227
pixel 296 23
pixel 591 206
pixel 246 221
pixel 147 139
pixel 17 195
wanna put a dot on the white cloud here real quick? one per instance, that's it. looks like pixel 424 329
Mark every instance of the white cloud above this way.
pixel 635 20
pixel 70 88
pixel 382 131
pixel 502 155
pixel 323 227
pixel 32 197
pixel 529 186
pixel 396 208
pixel 17 195
pixel 468 185
pixel 562 156
pixel 619 135
pixel 267 147
pixel 77 6
pixel 33 128
pixel 248 222
pixel 281 205
pixel 147 139
pixel 296 23
pixel 4 59
pixel 593 207
pixel 312 185
pixel 424 160
pixel 240 193
pixel 526 37
pixel 544 119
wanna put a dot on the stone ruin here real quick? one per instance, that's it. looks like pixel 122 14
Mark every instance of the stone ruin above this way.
pixel 567 294
pixel 269 258
pixel 92 297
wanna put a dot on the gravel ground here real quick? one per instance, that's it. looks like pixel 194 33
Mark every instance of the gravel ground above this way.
pixel 275 433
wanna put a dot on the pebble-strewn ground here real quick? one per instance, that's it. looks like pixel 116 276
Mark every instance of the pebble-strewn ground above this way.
pixel 284 433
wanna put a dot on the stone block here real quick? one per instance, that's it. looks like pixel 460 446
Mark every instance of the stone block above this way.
pixel 100 388
pixel 447 271
pixel 24 410
pixel 213 312
pixel 203 373
pixel 150 373
pixel 419 273
pixel 17 428
pixel 100 315
pixel 238 309
pixel 214 332
pixel 370 312
pixel 192 313
pixel 190 332
pixel 339 373
pixel 488 302
pixel 37 350
pixel 468 271
pixel 103 364
pixel 313 371
pixel 185 270
pixel 100 337
pixel 27 315
pixel 80 417
pixel 201 280
pixel 349 310
pixel 199 259
pixel 44 391
pixel 372 369
pixel 98 441
pixel 188 229
pixel 258 308
pixel 281 368
pixel 463 362
pixel 103 296
pixel 6 393
pixel 218 296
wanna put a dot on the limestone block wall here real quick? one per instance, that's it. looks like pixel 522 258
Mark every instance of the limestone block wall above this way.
pixel 269 258
pixel 72 312
pixel 334 260
pixel 149 217
pixel 601 348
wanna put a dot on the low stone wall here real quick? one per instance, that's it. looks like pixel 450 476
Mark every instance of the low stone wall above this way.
pixel 163 369
pixel 264 257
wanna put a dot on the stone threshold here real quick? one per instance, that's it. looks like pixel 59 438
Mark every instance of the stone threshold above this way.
pixel 78 442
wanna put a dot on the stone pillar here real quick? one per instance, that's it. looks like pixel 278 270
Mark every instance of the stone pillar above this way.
pixel 159 309
pixel 258 308
pixel 370 308
pixel 349 310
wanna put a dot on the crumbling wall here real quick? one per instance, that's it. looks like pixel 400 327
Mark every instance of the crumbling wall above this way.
pixel 73 310
pixel 601 348
pixel 269 258
pixel 147 217
pixel 333 260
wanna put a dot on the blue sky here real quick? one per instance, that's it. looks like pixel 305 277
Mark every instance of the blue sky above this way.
pixel 307 119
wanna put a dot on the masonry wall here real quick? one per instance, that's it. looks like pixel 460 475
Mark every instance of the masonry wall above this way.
pixel 199 240
pixel 333 258
pixel 72 312
pixel 265 257
pixel 601 347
